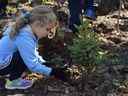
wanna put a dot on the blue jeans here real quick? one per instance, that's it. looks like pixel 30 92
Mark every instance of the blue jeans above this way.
pixel 75 11
pixel 75 8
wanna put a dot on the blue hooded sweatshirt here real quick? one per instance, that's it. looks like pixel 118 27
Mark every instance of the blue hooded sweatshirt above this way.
pixel 26 44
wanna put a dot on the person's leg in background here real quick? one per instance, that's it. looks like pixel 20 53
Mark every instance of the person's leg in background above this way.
pixel 15 70
pixel 89 9
pixel 3 5
pixel 75 11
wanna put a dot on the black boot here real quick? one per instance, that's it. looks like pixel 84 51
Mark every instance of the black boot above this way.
pixel 61 73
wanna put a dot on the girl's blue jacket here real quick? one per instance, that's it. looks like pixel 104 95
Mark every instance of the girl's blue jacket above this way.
pixel 26 43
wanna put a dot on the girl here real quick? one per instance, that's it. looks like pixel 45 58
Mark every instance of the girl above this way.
pixel 18 48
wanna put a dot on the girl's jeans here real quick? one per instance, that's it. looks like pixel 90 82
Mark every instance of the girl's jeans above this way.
pixel 16 67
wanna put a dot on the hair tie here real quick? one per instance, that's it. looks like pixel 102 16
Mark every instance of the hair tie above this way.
pixel 26 17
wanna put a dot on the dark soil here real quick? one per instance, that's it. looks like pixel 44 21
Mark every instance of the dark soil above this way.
pixel 105 80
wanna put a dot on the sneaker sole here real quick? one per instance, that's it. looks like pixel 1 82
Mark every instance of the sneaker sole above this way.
pixel 22 88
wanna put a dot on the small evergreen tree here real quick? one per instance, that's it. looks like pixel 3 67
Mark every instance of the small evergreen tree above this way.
pixel 86 51
pixel 86 47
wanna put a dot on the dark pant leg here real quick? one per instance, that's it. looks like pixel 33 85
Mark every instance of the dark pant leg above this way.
pixel 3 5
pixel 16 67
pixel 75 11
pixel 85 4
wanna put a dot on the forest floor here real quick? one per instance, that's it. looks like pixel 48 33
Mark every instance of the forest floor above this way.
pixel 110 79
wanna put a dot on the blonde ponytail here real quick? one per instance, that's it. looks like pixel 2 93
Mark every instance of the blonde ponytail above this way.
pixel 20 22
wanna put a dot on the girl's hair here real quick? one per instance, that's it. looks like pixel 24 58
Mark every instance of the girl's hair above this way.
pixel 41 13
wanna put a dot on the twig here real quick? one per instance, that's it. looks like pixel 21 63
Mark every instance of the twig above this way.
pixel 118 19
